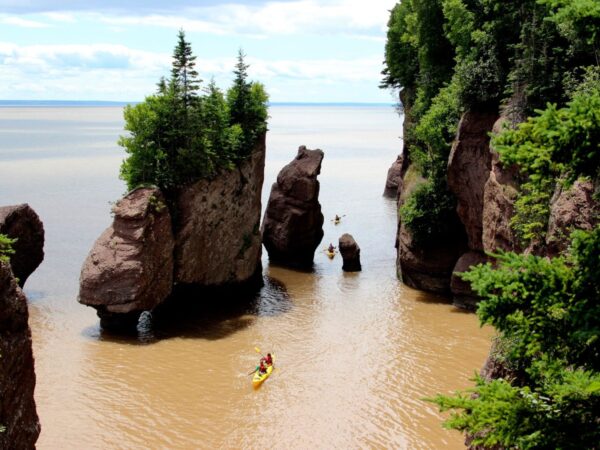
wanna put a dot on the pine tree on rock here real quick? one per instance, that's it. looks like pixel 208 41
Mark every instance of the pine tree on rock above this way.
pixel 183 73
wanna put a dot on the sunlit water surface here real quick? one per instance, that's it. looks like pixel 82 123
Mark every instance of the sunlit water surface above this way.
pixel 356 353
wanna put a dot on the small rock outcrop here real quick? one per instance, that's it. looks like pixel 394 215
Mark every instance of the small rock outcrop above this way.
pixel 293 223
pixel 350 253
pixel 17 377
pixel 463 295
pixel 22 223
pixel 217 228
pixel 571 208
pixel 393 184
pixel 130 267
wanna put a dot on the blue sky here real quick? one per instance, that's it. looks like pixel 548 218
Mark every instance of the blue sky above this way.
pixel 302 50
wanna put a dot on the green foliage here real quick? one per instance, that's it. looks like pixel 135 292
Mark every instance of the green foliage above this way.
pixel 449 56
pixel 429 213
pixel 177 136
pixel 6 247
pixel 418 54
pixel 579 22
pixel 548 315
pixel 401 60
pixel 435 132
pixel 554 143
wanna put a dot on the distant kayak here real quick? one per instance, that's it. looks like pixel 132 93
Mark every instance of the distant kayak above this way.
pixel 258 378
pixel 330 254
pixel 336 221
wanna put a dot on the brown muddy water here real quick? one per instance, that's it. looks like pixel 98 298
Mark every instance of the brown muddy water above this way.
pixel 355 353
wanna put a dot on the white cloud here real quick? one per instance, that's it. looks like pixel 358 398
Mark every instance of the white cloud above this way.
pixel 348 17
pixel 60 17
pixel 20 22
pixel 116 72
pixel 96 56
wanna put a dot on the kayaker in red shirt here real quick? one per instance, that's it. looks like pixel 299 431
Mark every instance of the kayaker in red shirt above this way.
pixel 261 368
pixel 269 360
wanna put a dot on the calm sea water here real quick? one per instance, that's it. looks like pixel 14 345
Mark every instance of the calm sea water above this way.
pixel 356 353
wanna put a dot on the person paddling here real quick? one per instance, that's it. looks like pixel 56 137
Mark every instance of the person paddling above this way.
pixel 331 248
pixel 261 367
pixel 269 360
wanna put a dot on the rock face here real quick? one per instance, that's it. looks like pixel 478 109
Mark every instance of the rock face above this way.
pixel 500 192
pixel 393 184
pixel 428 268
pixel 22 223
pixel 130 267
pixel 350 253
pixel 570 209
pixel 469 168
pixel 217 229
pixel 293 223
pixel 17 377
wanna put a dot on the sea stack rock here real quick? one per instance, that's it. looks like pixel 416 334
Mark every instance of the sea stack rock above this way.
pixel 22 223
pixel 130 267
pixel 17 377
pixel 293 223
pixel 393 184
pixel 217 228
pixel 350 253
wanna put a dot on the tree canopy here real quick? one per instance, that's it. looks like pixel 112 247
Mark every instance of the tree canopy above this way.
pixel 183 133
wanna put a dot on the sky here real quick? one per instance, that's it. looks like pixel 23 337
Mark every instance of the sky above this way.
pixel 117 50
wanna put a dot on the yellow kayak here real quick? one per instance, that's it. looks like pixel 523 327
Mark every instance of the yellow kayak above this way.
pixel 330 254
pixel 258 378
pixel 336 221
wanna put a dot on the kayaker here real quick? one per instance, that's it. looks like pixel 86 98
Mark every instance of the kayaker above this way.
pixel 331 248
pixel 337 218
pixel 269 360
pixel 261 367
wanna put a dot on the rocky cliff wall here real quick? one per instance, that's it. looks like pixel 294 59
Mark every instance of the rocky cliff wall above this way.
pixel 18 415
pixel 217 229
pixel 486 192
pixel 206 235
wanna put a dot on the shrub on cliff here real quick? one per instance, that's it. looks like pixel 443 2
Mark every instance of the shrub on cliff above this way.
pixel 6 247
pixel 556 143
pixel 178 136
pixel 548 315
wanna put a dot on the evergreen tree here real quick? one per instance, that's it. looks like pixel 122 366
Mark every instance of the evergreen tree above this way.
pixel 239 94
pixel 177 136
pixel 183 73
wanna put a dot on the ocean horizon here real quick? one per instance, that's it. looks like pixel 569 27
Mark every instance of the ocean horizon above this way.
pixel 91 103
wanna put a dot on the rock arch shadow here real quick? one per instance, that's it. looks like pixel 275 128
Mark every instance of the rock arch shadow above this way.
pixel 209 314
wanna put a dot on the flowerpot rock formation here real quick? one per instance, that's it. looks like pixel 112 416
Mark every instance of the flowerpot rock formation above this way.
pixel 293 223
